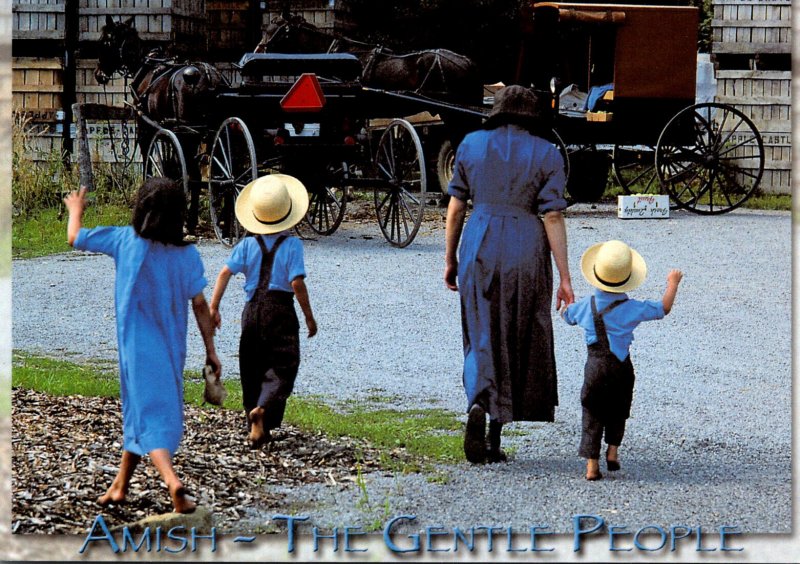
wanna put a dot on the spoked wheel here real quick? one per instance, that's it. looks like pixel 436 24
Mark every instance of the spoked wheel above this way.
pixel 232 167
pixel 635 169
pixel 327 199
pixel 165 159
pixel 710 157
pixel 400 203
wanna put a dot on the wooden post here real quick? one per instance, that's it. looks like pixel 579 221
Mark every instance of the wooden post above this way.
pixel 84 155
pixel 70 51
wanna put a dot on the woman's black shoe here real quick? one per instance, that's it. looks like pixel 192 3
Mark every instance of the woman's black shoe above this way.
pixel 498 455
pixel 612 465
pixel 475 435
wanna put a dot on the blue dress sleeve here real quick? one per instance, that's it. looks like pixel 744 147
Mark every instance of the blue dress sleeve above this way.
pixel 104 240
pixel 551 196
pixel 195 273
pixel 459 187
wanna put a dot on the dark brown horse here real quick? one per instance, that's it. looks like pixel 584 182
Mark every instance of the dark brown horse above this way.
pixel 175 95
pixel 167 91
pixel 437 73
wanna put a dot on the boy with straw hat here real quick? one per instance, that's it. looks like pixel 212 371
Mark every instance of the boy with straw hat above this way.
pixel 608 318
pixel 274 269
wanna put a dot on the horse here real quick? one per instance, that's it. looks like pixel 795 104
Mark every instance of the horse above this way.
pixel 437 73
pixel 163 89
pixel 170 93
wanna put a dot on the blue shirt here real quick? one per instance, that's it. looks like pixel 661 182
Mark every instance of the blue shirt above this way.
pixel 620 321
pixel 288 263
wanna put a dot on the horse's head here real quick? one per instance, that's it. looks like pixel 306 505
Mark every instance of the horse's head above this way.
pixel 120 50
pixel 293 34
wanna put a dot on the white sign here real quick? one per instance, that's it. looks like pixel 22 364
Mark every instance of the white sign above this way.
pixel 643 206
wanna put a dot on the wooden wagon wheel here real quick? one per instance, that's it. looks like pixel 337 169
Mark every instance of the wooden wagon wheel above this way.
pixel 165 159
pixel 635 169
pixel 328 199
pixel 710 157
pixel 400 203
pixel 232 167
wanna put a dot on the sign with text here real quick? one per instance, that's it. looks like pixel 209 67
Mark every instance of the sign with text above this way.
pixel 643 206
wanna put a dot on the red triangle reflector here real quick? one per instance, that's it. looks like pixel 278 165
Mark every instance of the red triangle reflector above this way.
pixel 305 95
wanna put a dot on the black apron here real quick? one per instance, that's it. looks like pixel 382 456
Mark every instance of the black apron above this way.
pixel 269 349
pixel 607 382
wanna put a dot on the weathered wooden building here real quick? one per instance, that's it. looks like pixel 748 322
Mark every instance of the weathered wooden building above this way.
pixel 751 46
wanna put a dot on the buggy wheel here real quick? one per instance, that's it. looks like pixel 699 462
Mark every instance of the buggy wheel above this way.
pixel 445 164
pixel 328 199
pixel 400 202
pixel 635 169
pixel 232 167
pixel 710 157
pixel 165 159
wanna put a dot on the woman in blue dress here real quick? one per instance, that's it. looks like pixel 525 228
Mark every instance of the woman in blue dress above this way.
pixel 515 179
pixel 157 275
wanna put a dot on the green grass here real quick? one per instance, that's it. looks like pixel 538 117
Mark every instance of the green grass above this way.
pixel 45 232
pixel 424 435
pixel 781 202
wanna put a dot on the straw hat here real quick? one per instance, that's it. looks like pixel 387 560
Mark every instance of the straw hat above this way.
pixel 272 203
pixel 613 266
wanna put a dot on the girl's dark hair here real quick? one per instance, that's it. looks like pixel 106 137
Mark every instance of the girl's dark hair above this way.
pixel 160 211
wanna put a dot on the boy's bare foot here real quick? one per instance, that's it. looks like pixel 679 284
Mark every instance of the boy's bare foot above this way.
pixel 257 434
pixel 593 470
pixel 114 495
pixel 612 458
pixel 181 501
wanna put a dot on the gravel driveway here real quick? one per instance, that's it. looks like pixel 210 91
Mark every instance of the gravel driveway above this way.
pixel 709 442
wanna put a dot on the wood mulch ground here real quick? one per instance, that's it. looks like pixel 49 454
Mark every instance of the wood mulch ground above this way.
pixel 65 453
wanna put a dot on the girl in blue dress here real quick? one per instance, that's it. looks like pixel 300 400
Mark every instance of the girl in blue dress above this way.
pixel 515 179
pixel 157 275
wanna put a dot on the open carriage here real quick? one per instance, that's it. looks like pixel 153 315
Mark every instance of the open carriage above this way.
pixel 623 77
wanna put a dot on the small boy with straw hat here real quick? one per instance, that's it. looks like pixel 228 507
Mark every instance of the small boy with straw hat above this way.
pixel 273 265
pixel 608 318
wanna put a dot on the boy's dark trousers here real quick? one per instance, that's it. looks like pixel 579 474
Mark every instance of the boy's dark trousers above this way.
pixel 607 391
pixel 269 349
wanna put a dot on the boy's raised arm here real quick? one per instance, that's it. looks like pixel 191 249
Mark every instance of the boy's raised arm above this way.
pixel 673 279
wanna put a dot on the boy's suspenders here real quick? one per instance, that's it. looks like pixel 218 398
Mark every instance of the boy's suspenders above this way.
pixel 267 260
pixel 599 324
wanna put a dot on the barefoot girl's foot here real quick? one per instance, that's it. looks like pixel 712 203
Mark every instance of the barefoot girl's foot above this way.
pixel 181 501
pixel 113 495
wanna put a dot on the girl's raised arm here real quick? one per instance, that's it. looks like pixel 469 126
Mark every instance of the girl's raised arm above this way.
pixel 201 313
pixel 75 203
